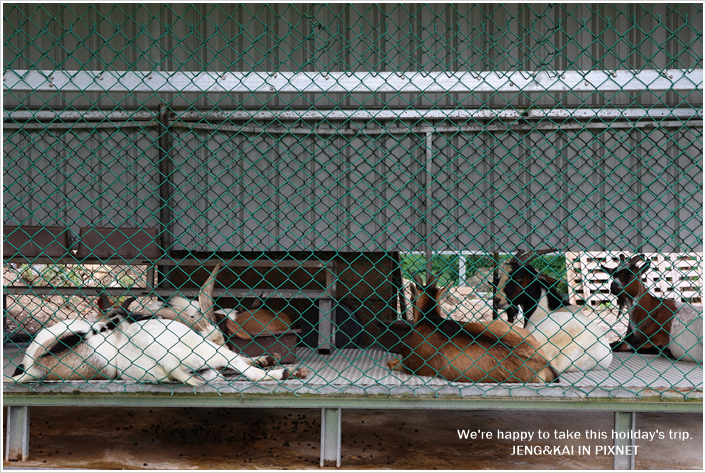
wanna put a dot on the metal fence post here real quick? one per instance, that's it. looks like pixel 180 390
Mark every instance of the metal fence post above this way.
pixel 624 424
pixel 428 180
pixel 165 189
pixel 17 443
pixel 330 436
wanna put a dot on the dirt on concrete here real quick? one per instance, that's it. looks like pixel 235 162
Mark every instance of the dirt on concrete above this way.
pixel 241 438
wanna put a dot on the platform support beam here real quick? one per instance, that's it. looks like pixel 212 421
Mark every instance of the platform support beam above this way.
pixel 17 446
pixel 624 456
pixel 330 436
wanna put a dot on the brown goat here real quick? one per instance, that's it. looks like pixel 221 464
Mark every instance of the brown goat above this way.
pixel 245 324
pixel 656 325
pixel 472 352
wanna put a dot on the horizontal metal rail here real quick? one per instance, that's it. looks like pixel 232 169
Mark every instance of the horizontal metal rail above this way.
pixel 268 263
pixel 655 113
pixel 440 129
pixel 440 114
pixel 186 292
pixel 358 131
pixel 359 82
pixel 348 402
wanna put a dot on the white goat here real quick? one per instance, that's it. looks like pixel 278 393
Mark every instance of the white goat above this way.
pixel 155 347
pixel 569 339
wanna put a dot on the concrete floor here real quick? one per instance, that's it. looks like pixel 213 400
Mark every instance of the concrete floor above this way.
pixel 202 438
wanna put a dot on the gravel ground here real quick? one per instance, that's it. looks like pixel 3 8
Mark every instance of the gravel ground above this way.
pixel 27 314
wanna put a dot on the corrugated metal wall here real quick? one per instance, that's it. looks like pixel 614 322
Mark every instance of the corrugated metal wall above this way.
pixel 357 38
pixel 584 189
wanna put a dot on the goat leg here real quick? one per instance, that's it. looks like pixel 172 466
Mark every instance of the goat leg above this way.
pixel 395 365
pixel 265 360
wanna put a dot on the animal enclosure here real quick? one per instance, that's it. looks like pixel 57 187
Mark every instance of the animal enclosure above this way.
pixel 314 159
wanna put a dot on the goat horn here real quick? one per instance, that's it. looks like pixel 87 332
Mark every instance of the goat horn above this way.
pixel 127 302
pixel 257 302
pixel 103 301
pixel 206 301
pixel 636 259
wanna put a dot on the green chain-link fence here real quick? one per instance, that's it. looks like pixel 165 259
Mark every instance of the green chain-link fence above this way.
pixel 325 156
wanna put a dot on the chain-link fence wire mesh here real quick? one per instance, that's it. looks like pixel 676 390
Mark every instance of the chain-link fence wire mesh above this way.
pixel 328 154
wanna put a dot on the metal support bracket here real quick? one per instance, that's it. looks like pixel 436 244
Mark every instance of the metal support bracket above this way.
pixel 330 436
pixel 624 456
pixel 17 444
pixel 327 313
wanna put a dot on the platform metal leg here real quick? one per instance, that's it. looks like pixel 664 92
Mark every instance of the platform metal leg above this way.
pixel 17 447
pixel 624 424
pixel 331 436
pixel 326 331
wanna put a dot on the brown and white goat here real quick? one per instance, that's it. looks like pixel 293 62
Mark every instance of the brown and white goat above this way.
pixel 655 324
pixel 199 317
pixel 141 347
pixel 468 352
pixel 569 339
pixel 75 349
pixel 136 348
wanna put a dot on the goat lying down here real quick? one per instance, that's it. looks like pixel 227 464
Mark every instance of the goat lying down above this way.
pixel 73 349
pixel 169 343
pixel 470 352
pixel 223 324
pixel 569 339
pixel 199 316
pixel 248 322
pixel 656 325
pixel 143 348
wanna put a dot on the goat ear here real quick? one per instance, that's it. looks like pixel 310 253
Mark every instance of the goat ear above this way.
pixel 607 270
pixel 636 259
pixel 418 280
pixel 103 302
pixel 206 301
pixel 432 281
pixel 442 292
pixel 256 303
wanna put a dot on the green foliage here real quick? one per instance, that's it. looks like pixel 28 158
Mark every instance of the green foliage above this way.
pixel 444 265
pixel 553 266
pixel 447 266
